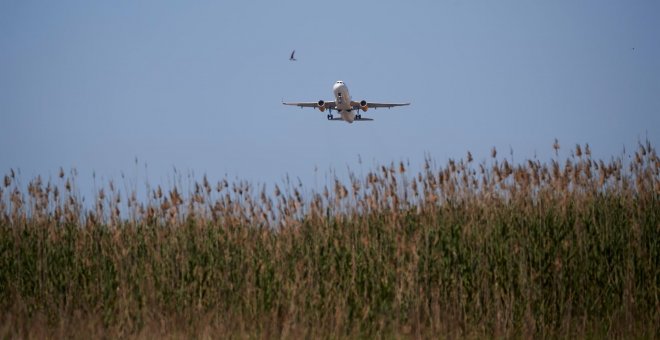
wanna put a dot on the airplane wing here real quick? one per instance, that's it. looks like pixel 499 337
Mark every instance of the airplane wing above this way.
pixel 327 105
pixel 387 105
pixel 379 105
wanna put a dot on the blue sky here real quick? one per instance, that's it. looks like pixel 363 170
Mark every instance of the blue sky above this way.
pixel 198 85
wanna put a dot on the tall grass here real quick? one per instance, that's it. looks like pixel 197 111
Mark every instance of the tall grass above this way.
pixel 559 249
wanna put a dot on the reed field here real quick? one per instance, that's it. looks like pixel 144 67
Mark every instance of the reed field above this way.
pixel 461 249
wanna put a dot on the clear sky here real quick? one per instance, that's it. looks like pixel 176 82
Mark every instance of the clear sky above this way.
pixel 198 85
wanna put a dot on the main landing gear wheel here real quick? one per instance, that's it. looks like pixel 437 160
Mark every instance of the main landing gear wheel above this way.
pixel 358 116
pixel 329 117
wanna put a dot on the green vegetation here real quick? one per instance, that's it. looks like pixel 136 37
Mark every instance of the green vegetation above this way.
pixel 564 249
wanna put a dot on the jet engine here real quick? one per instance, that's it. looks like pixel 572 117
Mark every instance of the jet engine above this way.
pixel 363 106
pixel 321 105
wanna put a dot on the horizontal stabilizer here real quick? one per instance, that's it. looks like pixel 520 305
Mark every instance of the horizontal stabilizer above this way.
pixel 355 120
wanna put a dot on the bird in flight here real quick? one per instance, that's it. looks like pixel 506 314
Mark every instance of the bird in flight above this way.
pixel 349 110
pixel 291 58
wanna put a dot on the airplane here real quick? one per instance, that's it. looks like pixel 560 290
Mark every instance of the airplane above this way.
pixel 291 57
pixel 349 111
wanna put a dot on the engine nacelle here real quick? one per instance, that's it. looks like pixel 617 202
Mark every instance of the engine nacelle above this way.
pixel 321 105
pixel 363 106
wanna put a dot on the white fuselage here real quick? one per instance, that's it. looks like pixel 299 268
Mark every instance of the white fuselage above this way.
pixel 343 101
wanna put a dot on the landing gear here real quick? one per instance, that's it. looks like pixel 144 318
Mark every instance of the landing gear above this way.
pixel 358 116
pixel 329 116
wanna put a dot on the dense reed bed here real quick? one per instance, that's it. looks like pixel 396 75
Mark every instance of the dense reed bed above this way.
pixel 559 249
